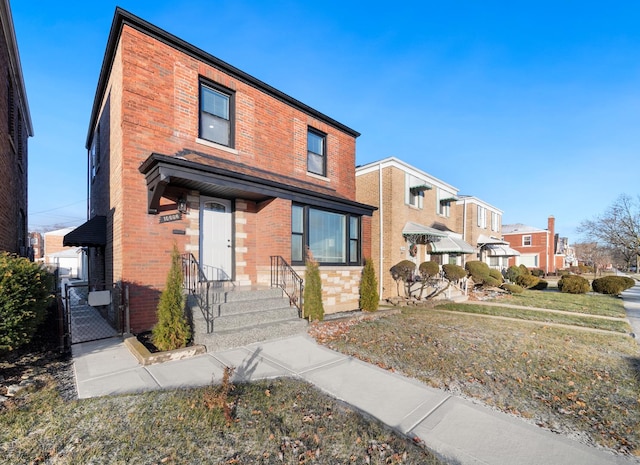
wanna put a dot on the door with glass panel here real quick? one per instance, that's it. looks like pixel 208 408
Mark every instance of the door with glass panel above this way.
pixel 216 246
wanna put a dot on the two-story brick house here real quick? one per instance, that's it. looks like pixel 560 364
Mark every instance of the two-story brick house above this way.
pixel 482 227
pixel 15 129
pixel 539 248
pixel 418 218
pixel 422 218
pixel 186 149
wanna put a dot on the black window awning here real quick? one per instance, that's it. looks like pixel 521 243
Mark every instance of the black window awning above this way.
pixel 93 233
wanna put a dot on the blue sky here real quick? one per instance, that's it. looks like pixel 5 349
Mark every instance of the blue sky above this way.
pixel 533 107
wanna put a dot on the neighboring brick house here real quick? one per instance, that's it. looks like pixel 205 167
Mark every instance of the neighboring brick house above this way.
pixel 186 149
pixel 36 241
pixel 482 227
pixel 15 129
pixel 418 218
pixel 538 247
pixel 70 261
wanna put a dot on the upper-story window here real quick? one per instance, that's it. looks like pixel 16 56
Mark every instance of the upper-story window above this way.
pixel 526 240
pixel 482 217
pixel 216 115
pixel 94 153
pixel 495 221
pixel 414 193
pixel 443 203
pixel 316 152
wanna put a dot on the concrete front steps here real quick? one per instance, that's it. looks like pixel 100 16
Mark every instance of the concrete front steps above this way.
pixel 245 315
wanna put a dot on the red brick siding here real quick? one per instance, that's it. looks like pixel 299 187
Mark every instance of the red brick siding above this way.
pixel 153 107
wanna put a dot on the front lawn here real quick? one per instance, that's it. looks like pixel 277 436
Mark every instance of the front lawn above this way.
pixel 594 304
pixel 267 422
pixel 582 384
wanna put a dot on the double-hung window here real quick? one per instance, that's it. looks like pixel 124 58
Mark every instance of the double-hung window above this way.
pixel 495 221
pixel 482 217
pixel 526 241
pixel 332 238
pixel 316 152
pixel 216 115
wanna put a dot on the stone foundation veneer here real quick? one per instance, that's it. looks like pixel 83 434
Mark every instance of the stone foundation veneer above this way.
pixel 340 286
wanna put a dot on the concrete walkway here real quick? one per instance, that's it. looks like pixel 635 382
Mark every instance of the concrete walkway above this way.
pixel 459 430
pixel 631 298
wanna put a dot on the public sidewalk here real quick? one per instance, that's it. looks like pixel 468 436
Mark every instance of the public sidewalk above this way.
pixel 457 429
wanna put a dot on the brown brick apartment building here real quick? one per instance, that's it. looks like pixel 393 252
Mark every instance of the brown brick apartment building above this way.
pixel 422 218
pixel 15 129
pixel 186 149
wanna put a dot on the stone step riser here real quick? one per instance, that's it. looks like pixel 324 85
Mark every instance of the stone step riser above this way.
pixel 230 339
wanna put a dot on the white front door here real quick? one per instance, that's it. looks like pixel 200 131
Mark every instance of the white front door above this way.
pixel 216 247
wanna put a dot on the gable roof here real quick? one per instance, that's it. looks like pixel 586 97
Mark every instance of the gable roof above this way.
pixel 123 17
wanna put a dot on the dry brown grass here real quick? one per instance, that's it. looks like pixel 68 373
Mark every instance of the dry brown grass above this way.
pixel 582 384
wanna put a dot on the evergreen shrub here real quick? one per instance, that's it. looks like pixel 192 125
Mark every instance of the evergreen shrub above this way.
pixel 537 272
pixel 312 308
pixel 524 269
pixel 541 285
pixel 512 273
pixel 491 281
pixel 573 284
pixel 25 293
pixel 527 281
pixel 428 269
pixel 453 272
pixel 478 270
pixel 612 285
pixel 403 271
pixel 172 331
pixel 512 288
pixel 495 274
pixel 369 297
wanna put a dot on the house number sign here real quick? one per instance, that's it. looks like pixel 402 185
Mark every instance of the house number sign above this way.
pixel 172 217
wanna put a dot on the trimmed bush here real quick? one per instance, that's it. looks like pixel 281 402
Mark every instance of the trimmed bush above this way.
pixel 25 293
pixel 478 270
pixel 491 281
pixel 513 288
pixel 403 271
pixel 512 273
pixel 369 297
pixel 612 285
pixel 495 274
pixel 312 307
pixel 524 269
pixel 537 272
pixel 428 269
pixel 172 330
pixel 454 272
pixel 527 281
pixel 541 285
pixel 573 284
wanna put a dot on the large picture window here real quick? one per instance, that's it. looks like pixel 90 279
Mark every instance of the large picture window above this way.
pixel 216 115
pixel 332 238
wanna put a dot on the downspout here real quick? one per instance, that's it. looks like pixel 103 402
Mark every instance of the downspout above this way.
pixel 380 215
pixel 464 226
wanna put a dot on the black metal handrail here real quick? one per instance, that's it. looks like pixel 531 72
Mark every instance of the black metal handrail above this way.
pixel 195 282
pixel 285 277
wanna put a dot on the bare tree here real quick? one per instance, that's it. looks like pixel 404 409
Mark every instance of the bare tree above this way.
pixel 618 227
pixel 593 255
